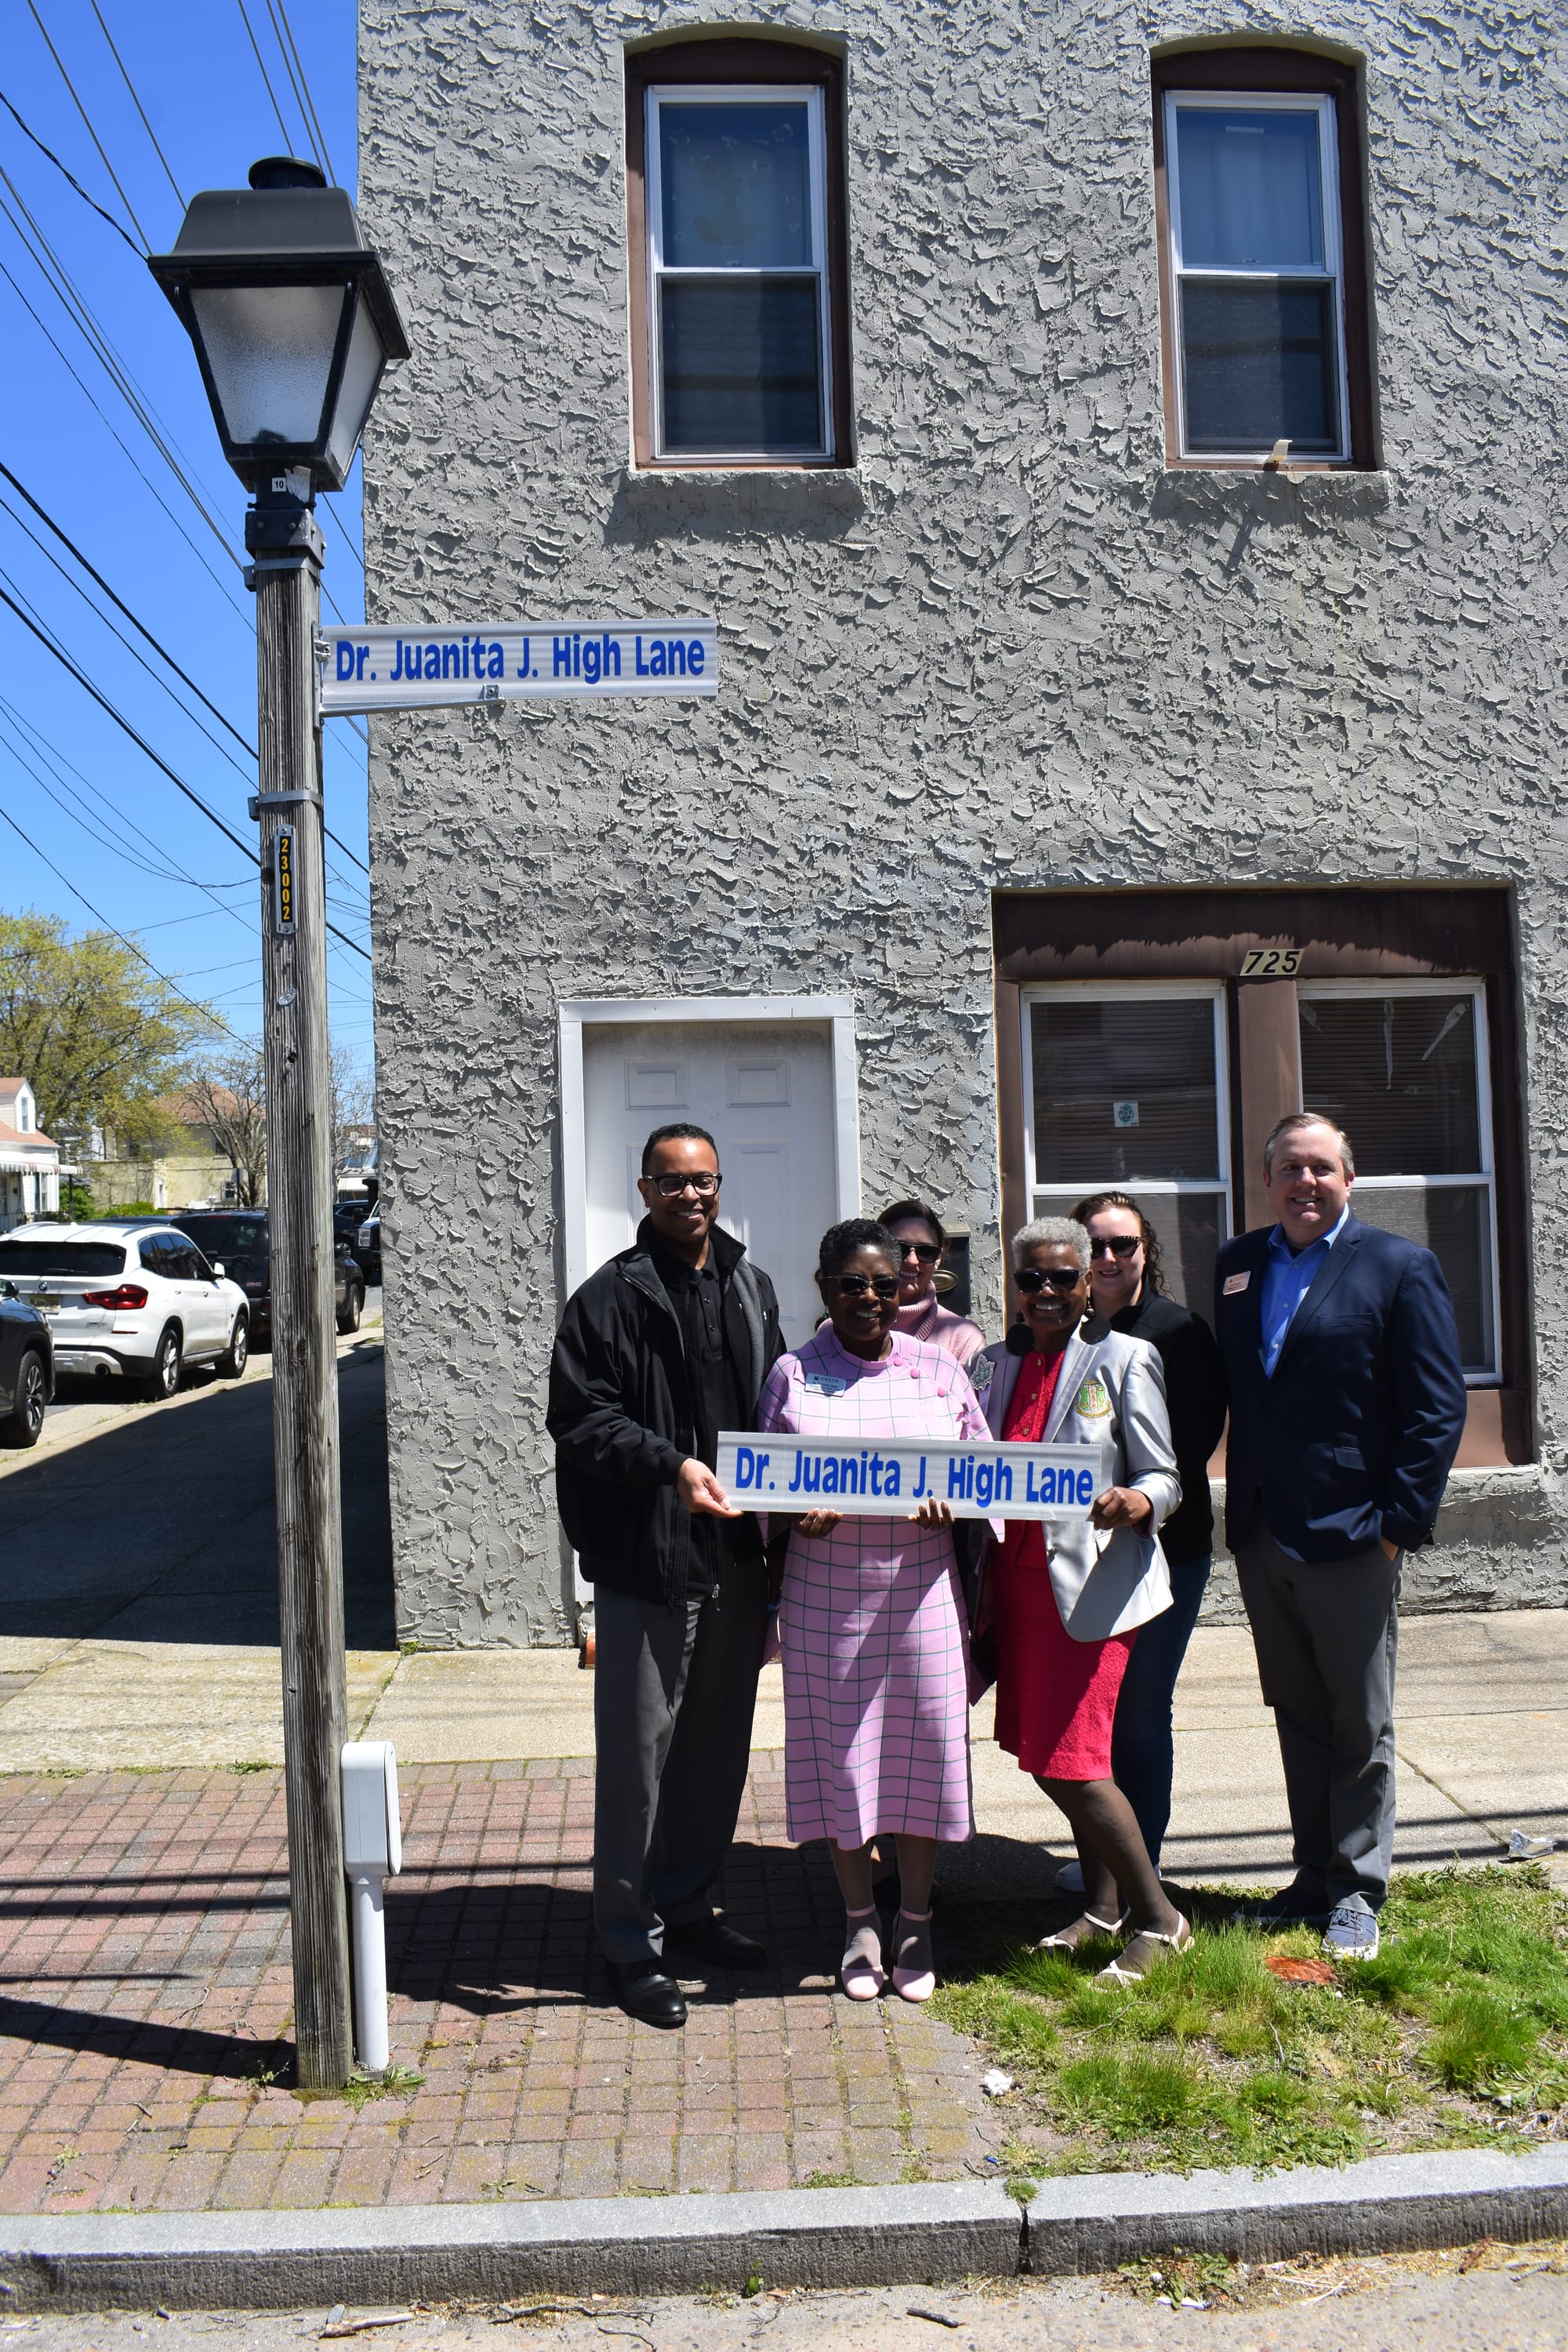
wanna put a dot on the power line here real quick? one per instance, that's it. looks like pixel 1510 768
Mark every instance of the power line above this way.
pixel 76 308
pixel 161 650
pixel 261 68
pixel 216 579
pixel 142 745
pixel 116 226
pixel 91 133
pixel 283 34
pixel 136 102
pixel 205 1011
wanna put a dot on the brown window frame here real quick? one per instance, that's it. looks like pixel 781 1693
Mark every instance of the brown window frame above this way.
pixel 1409 931
pixel 1307 73
pixel 740 58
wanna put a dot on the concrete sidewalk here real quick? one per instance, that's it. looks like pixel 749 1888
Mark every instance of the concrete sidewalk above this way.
pixel 1482 1740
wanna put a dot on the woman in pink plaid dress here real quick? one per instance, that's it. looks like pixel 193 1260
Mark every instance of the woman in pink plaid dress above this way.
pixel 875 1655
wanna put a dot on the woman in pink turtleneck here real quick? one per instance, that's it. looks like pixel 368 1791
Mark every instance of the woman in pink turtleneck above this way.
pixel 918 1231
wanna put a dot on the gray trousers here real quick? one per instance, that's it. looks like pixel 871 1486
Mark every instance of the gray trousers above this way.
pixel 1327 1637
pixel 674 1693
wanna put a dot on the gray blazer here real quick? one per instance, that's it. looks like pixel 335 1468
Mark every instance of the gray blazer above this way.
pixel 1105 1582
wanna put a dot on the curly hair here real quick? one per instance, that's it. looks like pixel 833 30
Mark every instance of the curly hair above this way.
pixel 1154 1263
pixel 841 1241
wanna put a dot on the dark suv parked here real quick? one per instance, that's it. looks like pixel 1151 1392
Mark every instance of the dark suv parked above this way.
pixel 26 1370
pixel 237 1238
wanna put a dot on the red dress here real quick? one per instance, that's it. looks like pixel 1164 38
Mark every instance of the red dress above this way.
pixel 1056 1698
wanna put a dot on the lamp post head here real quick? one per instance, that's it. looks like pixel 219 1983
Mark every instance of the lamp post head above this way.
pixel 292 316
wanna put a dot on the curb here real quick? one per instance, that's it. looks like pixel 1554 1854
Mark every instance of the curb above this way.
pixel 795 2238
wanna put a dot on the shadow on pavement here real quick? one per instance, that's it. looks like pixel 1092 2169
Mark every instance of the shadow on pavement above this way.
pixel 162 1528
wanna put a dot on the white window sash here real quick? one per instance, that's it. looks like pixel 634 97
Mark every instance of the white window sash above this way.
pixel 1331 275
pixel 732 94
pixel 1481 1179
pixel 1219 1186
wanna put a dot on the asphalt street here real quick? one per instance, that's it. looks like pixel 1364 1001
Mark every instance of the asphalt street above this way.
pixel 155 1523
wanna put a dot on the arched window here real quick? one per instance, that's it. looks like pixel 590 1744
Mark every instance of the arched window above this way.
pixel 738 285
pixel 1259 198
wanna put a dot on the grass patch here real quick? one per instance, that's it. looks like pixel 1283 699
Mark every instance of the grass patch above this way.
pixel 1455 2035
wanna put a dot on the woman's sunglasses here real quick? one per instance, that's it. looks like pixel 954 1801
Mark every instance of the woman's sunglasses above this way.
pixel 1030 1278
pixel 856 1285
pixel 928 1253
pixel 1118 1245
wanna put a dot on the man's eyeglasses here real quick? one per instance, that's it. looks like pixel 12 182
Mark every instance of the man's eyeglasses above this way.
pixel 856 1285
pixel 1030 1278
pixel 704 1183
pixel 1118 1245
pixel 928 1253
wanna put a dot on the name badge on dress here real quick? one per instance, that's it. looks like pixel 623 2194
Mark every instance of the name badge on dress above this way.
pixel 825 1384
pixel 1234 1282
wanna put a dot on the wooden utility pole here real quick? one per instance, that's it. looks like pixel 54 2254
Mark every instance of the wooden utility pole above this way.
pixel 286 546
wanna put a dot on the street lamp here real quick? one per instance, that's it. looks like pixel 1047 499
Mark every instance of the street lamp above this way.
pixel 293 324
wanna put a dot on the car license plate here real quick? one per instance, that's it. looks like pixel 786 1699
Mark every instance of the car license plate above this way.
pixel 48 1302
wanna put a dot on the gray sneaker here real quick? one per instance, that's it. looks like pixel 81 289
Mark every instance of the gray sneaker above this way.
pixel 1352 1934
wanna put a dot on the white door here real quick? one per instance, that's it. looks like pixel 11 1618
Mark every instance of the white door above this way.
pixel 764 1092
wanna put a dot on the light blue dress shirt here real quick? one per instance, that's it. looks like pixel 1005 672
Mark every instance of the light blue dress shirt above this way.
pixel 1286 1278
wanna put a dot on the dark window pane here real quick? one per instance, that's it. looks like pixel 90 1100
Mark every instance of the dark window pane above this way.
pixel 1188 1226
pixel 1251 188
pixel 1452 1221
pixel 25 1261
pixel 1259 364
pixel 1124 1086
pixel 735 183
pixel 1398 1073
pixel 742 365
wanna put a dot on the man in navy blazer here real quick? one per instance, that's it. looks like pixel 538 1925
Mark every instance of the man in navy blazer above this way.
pixel 1347 1404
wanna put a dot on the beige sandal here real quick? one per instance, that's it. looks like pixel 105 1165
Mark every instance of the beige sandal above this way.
pixel 1097 1926
pixel 1116 1974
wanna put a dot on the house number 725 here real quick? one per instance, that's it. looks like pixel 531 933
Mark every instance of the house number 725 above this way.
pixel 1272 963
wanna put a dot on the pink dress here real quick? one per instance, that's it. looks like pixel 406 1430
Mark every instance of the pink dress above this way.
pixel 939 1326
pixel 875 1653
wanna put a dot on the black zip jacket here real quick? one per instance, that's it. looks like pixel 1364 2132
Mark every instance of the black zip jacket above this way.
pixel 1195 1397
pixel 622 1417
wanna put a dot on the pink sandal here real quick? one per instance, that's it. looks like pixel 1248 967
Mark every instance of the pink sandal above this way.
pixel 861 1976
pixel 912 1984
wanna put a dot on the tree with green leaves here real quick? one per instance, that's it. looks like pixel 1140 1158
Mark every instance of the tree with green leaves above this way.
pixel 100 1035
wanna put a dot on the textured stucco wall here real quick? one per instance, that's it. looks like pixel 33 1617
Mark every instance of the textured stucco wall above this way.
pixel 1008 649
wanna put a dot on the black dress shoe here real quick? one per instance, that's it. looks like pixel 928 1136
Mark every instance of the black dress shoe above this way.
pixel 645 1991
pixel 1296 1906
pixel 715 1941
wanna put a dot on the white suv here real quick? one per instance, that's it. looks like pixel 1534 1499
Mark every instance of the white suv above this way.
pixel 136 1298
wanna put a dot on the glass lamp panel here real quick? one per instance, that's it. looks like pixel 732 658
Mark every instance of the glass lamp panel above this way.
pixel 1259 364
pixel 735 185
pixel 362 374
pixel 1188 1226
pixel 741 366
pixel 1124 1087
pixel 1454 1221
pixel 269 351
pixel 1250 186
pixel 1398 1073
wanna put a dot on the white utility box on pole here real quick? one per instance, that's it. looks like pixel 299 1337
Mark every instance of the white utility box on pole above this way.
pixel 373 1852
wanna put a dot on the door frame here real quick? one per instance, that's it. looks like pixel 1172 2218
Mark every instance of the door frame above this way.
pixel 836 1013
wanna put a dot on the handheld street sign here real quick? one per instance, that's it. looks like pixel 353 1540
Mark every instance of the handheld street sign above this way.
pixel 417 665
pixel 979 1477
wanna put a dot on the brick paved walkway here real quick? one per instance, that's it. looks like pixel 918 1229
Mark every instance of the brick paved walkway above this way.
pixel 145 1997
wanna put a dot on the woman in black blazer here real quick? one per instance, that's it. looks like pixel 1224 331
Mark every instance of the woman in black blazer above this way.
pixel 1129 1289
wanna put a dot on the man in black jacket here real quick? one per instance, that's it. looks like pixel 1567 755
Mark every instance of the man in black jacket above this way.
pixel 665 1346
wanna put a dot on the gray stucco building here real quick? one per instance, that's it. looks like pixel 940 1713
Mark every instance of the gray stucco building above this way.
pixel 1121 447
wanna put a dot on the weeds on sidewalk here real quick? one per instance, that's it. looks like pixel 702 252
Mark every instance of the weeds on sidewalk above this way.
pixel 1457 2034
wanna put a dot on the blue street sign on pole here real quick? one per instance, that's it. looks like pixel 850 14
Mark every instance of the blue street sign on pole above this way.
pixel 417 665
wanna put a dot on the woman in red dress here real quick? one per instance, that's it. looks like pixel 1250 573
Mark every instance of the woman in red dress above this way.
pixel 1066 1603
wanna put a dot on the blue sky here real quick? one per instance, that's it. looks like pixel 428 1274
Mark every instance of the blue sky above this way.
pixel 89 801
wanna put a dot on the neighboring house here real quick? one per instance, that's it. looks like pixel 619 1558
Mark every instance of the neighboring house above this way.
pixel 190 1170
pixel 30 1159
pixel 1121 452
pixel 356 1175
